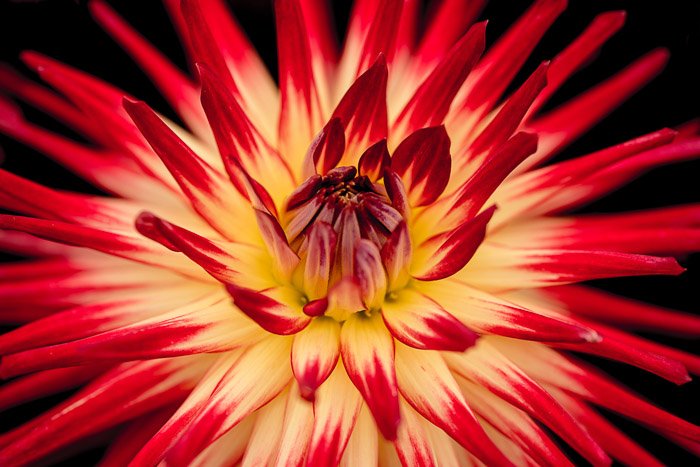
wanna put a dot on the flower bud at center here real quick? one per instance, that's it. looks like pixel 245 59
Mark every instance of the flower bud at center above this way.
pixel 338 224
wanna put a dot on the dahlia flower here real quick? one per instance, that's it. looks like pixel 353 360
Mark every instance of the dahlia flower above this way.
pixel 367 263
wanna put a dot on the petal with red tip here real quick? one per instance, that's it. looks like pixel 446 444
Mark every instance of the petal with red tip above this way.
pixel 381 33
pixel 445 254
pixel 423 161
pixel 564 124
pixel 374 161
pixel 277 310
pixel 491 369
pixel 122 394
pixel 427 384
pixel 209 192
pixel 363 112
pixel 300 112
pixel 327 148
pixel 367 349
pixel 419 322
pixel 227 262
pixel 314 354
pixel 451 18
pixel 251 382
pixel 320 257
pixel 335 410
pixel 177 88
pixel 239 140
pixel 514 424
pixel 413 444
pixel 298 424
pixel 207 325
pixel 431 102
pixel 577 54
pixel 488 314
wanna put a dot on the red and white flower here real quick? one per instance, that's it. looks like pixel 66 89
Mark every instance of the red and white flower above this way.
pixel 363 267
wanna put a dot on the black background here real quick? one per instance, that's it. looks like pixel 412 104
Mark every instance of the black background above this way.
pixel 64 30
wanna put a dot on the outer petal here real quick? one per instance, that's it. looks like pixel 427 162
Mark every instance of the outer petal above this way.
pixel 427 384
pixel 255 379
pixel 419 322
pixel 491 369
pixel 368 354
pixel 335 412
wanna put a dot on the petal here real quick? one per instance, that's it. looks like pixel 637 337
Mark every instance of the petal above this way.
pixel 177 88
pixel 239 140
pixel 381 33
pixel 427 384
pixel 251 382
pixel 514 424
pixel 298 423
pixel 451 19
pixel 564 124
pixel 491 369
pixel 419 322
pixel 327 148
pixel 374 161
pixel 210 193
pixel 537 268
pixel 446 254
pixel 152 452
pixel 488 314
pixel 225 261
pixel 369 274
pixel 413 444
pixel 397 255
pixel 277 310
pixel 315 353
pixel 422 160
pixel 368 355
pixel 335 411
pixel 124 393
pixel 362 448
pixel 205 326
pixel 363 112
pixel 267 433
pixel 300 113
pixel 580 51
pixel 320 257
pixel 622 311
pixel 431 102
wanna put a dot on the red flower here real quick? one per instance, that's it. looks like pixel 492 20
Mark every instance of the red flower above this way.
pixel 364 266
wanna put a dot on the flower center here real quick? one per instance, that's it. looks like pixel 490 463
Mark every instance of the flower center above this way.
pixel 338 224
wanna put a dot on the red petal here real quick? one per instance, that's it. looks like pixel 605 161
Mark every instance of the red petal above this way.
pixel 362 110
pixel 431 102
pixel 423 161
pixel 580 51
pixel 382 32
pixel 451 251
pixel 374 161
pixel 451 19
pixel 265 308
pixel 327 148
